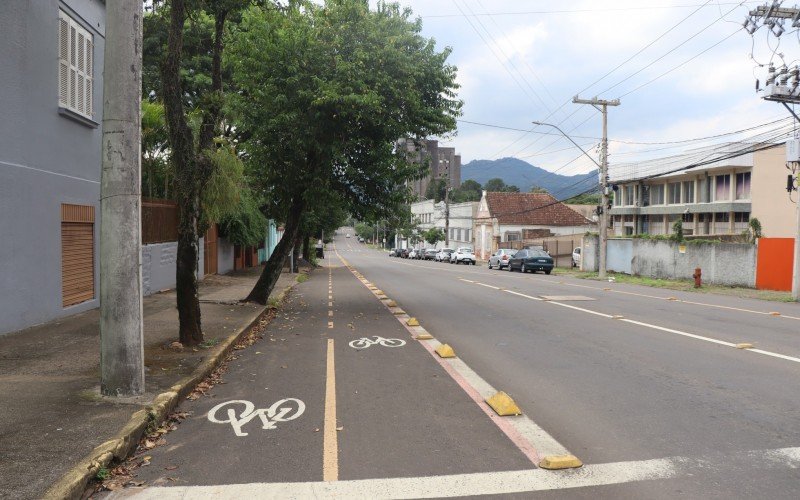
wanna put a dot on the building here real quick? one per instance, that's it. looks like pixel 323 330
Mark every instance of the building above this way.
pixel 428 214
pixel 518 217
pixel 444 163
pixel 50 137
pixel 712 200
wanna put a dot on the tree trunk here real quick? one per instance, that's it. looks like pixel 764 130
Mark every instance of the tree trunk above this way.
pixel 306 248
pixel 186 183
pixel 272 270
pixel 296 251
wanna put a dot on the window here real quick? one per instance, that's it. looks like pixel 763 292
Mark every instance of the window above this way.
pixel 75 66
pixel 645 195
pixel 629 195
pixel 722 217
pixel 722 189
pixel 512 236
pixel 688 192
pixel 688 218
pixel 657 194
pixel 674 193
pixel 743 186
pixel 741 217
pixel 618 196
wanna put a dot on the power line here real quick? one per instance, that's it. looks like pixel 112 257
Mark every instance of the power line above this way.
pixel 579 11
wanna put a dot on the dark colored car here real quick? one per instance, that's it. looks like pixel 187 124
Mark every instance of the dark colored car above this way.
pixel 420 254
pixel 430 254
pixel 531 260
pixel 404 253
pixel 394 253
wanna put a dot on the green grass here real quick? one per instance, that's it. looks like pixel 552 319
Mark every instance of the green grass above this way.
pixel 208 343
pixel 102 473
pixel 682 285
pixel 302 278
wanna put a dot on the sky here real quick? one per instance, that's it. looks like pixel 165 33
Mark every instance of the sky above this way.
pixel 523 60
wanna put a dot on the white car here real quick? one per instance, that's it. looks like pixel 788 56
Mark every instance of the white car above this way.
pixel 444 255
pixel 463 255
pixel 576 257
pixel 347 235
pixel 412 254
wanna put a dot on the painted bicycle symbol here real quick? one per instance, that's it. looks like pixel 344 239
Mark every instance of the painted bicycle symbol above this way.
pixel 365 342
pixel 282 411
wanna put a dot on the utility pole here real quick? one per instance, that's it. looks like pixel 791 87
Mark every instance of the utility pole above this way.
pixel 121 331
pixel 602 106
pixel 447 213
pixel 783 86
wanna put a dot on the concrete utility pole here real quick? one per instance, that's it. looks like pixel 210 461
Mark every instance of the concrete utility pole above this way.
pixel 602 106
pixel 447 214
pixel 783 85
pixel 121 332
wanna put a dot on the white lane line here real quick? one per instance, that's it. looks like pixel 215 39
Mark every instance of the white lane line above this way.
pixel 488 286
pixel 690 302
pixel 661 328
pixel 523 295
pixel 456 485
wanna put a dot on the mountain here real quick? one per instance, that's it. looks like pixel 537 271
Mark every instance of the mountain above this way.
pixel 524 175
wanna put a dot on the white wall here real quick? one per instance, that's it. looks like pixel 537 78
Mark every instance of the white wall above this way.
pixel 158 266
pixel 224 256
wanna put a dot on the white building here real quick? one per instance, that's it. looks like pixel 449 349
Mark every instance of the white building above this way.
pixel 428 214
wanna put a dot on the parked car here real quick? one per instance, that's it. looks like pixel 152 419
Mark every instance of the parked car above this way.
pixel 404 253
pixel 412 254
pixel 463 255
pixel 394 252
pixel 420 254
pixel 360 239
pixel 347 235
pixel 444 255
pixel 500 258
pixel 430 254
pixel 531 260
pixel 576 257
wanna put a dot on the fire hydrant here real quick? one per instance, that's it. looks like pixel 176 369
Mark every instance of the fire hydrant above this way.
pixel 698 277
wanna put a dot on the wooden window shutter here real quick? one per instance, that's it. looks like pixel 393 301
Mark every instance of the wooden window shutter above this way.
pixel 77 254
pixel 63 59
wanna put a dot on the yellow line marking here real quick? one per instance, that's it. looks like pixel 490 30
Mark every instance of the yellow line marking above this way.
pixel 330 324
pixel 330 313
pixel 330 445
pixel 330 304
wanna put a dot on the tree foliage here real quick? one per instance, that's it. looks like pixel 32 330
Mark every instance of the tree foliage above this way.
pixel 433 235
pixel 497 184
pixel 324 92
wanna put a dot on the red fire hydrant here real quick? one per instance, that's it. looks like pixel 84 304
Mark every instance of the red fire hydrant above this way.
pixel 698 277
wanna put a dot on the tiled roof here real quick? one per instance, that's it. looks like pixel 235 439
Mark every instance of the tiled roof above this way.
pixel 538 209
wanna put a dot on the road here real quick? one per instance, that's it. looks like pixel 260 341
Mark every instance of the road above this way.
pixel 646 387
pixel 621 373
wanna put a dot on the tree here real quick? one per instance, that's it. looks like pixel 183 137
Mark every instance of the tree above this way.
pixel 191 153
pixel 584 199
pixel 538 189
pixel 436 190
pixel 469 190
pixel 323 94
pixel 433 235
pixel 494 185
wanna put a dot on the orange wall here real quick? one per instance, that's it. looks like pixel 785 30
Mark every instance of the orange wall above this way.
pixel 775 260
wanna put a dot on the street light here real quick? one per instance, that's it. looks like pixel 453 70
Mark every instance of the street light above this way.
pixel 570 139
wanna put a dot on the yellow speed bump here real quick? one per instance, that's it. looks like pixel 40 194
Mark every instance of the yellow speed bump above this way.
pixel 412 322
pixel 445 351
pixel 391 303
pixel 397 311
pixel 424 336
pixel 744 345
pixel 555 462
pixel 503 405
pixel 379 292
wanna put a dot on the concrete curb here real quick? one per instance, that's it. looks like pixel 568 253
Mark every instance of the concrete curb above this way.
pixel 73 483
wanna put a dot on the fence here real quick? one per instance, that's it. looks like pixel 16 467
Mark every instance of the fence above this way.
pixel 159 221
pixel 559 247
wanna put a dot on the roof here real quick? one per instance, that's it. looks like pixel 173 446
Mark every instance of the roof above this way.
pixel 538 209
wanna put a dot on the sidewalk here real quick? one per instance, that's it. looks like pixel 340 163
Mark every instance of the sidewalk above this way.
pixel 53 415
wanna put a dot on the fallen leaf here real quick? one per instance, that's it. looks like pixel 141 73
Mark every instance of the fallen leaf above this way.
pixel 149 444
pixel 340 428
pixel 283 366
pixel 170 467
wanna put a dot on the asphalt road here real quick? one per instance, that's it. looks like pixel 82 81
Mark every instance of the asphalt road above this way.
pixel 620 373
pixel 647 387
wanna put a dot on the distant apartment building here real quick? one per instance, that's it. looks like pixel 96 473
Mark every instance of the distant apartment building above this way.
pixel 51 93
pixel 443 163
pixel 715 199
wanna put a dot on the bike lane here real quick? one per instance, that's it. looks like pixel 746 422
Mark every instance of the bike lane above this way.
pixel 289 362
pixel 400 413
pixel 384 411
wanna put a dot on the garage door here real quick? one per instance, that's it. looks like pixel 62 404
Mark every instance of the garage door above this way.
pixel 77 254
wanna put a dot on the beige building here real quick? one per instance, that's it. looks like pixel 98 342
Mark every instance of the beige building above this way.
pixel 716 199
